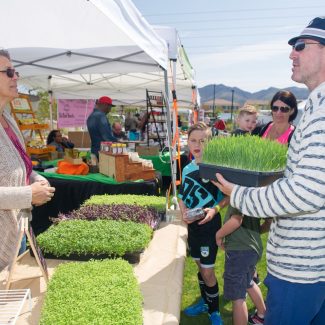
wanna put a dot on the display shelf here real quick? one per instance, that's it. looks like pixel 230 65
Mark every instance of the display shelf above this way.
pixel 157 120
pixel 12 303
pixel 20 107
pixel 38 151
pixel 33 126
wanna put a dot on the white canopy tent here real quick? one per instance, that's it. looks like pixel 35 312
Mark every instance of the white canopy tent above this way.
pixel 101 43
pixel 127 88
pixel 80 36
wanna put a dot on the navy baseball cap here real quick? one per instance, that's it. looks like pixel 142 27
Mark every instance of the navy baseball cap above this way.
pixel 315 31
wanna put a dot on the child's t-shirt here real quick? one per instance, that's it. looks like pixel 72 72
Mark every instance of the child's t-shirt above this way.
pixel 196 192
pixel 239 132
pixel 247 236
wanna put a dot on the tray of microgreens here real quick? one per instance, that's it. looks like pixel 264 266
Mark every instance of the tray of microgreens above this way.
pixel 118 212
pixel 95 292
pixel 244 160
pixel 98 239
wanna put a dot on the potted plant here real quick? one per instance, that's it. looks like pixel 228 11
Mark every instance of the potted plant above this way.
pixel 244 160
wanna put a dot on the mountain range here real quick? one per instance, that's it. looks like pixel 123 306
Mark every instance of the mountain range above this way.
pixel 241 96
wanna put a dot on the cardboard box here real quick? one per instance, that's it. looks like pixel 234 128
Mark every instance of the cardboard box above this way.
pixel 80 139
pixel 74 161
pixel 147 151
pixel 121 169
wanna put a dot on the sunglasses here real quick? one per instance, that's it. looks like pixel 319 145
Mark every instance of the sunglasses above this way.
pixel 300 45
pixel 283 109
pixel 10 72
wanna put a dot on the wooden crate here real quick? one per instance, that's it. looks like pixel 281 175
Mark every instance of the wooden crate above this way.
pixel 121 169
pixel 147 151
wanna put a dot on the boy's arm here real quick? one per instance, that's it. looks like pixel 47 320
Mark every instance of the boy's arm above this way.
pixel 265 227
pixel 230 226
pixel 210 212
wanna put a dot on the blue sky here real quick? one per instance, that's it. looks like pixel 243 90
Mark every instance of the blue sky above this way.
pixel 239 43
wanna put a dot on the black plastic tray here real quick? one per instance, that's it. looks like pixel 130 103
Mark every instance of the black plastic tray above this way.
pixel 132 258
pixel 238 176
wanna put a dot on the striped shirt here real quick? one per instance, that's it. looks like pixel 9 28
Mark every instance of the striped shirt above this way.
pixel 296 245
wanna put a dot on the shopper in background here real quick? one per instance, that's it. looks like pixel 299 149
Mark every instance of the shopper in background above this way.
pixel 55 139
pixel 284 110
pixel 296 202
pixel 131 123
pixel 117 131
pixel 219 124
pixel 20 186
pixel 98 125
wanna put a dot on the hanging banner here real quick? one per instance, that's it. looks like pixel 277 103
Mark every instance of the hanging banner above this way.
pixel 74 112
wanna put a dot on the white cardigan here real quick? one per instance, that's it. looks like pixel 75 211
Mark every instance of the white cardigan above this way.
pixel 15 196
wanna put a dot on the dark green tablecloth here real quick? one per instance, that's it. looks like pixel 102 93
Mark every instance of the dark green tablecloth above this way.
pixel 161 163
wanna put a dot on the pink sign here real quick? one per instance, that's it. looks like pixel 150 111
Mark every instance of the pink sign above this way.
pixel 74 112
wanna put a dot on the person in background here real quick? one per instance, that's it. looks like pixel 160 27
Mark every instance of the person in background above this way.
pixel 284 111
pixel 193 193
pixel 240 237
pixel 131 123
pixel 219 124
pixel 55 139
pixel 20 186
pixel 117 131
pixel 296 202
pixel 143 123
pixel 179 122
pixel 246 120
pixel 98 125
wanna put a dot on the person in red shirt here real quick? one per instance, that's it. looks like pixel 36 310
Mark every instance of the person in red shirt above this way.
pixel 219 124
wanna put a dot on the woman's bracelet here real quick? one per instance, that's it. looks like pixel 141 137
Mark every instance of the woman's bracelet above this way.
pixel 217 208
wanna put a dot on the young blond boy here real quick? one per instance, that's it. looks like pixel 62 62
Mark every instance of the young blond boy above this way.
pixel 240 237
pixel 246 120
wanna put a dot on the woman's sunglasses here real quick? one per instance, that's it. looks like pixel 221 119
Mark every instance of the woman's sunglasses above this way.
pixel 283 109
pixel 10 72
pixel 300 45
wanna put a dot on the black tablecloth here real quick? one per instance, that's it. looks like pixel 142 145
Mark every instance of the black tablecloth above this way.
pixel 70 194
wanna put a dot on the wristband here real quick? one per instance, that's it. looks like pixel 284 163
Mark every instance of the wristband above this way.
pixel 217 208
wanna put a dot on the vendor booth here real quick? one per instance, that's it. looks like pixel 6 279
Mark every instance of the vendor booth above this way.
pixel 100 42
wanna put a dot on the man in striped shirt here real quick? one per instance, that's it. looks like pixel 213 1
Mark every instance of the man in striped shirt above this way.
pixel 296 245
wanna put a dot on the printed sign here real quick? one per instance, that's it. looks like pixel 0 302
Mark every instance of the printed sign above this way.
pixel 36 250
pixel 74 112
pixel 20 104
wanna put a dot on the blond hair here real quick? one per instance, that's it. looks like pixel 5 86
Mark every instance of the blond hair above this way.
pixel 200 126
pixel 247 109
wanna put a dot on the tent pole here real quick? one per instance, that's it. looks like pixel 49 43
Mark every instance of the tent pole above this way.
pixel 170 139
pixel 50 92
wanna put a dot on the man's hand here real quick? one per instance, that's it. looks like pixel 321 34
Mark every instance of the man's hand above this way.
pixel 223 185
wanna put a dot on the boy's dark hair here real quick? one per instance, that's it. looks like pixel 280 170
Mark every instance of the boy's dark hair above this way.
pixel 288 98
pixel 201 126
